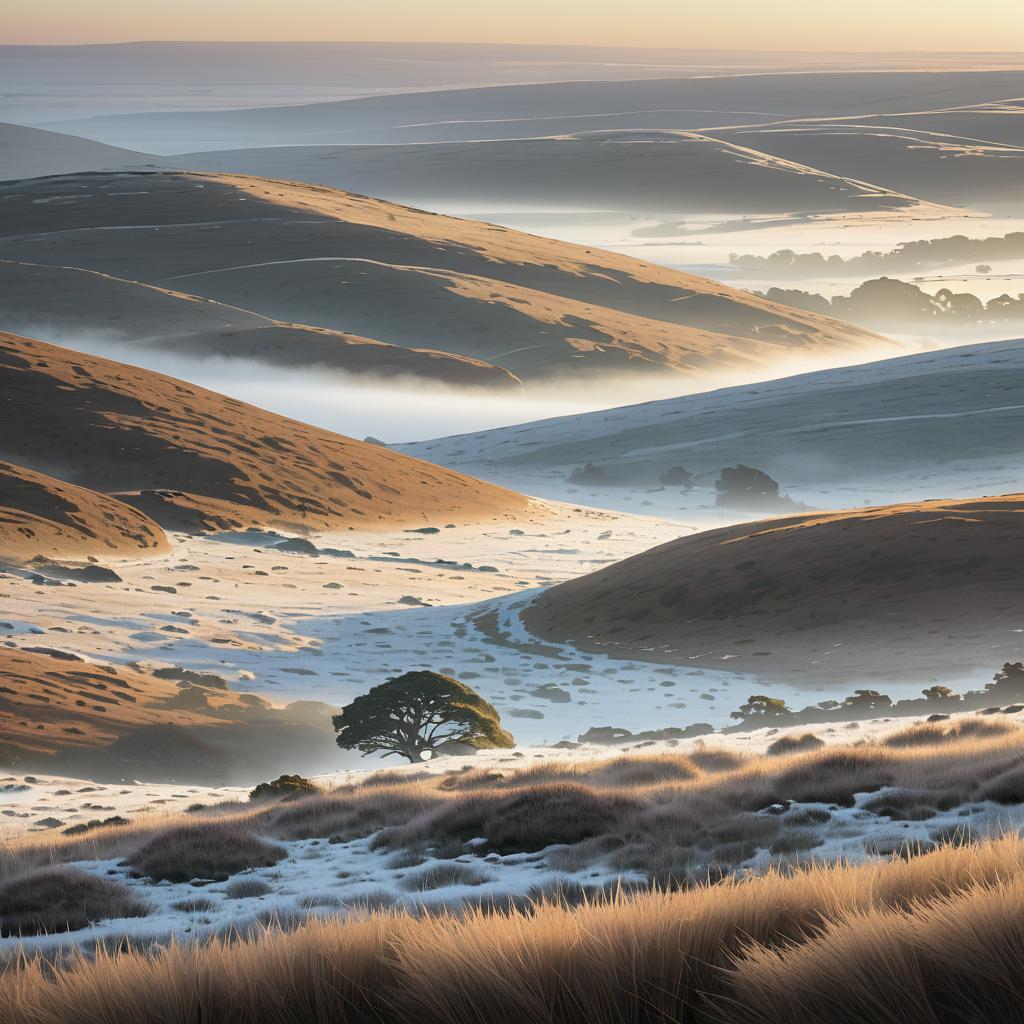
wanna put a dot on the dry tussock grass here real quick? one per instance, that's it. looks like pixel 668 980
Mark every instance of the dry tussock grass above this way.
pixel 956 958
pixel 210 851
pixel 673 816
pixel 791 743
pixel 62 899
pixel 932 939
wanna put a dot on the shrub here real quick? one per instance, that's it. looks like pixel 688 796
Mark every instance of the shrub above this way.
pixel 834 776
pixel 795 840
pixel 63 899
pixel 715 759
pixel 647 771
pixel 196 905
pixel 246 888
pixel 1007 788
pixel 283 786
pixel 442 876
pixel 903 805
pixel 523 821
pixel 928 733
pixel 203 851
pixel 561 813
pixel 792 744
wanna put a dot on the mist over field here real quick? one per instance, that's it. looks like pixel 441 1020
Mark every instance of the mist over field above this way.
pixel 496 532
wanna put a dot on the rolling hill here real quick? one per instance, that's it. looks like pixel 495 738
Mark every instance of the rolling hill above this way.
pixel 65 715
pixel 654 172
pixel 949 421
pixel 555 108
pixel 30 152
pixel 44 517
pixel 900 590
pixel 310 255
pixel 75 307
pixel 193 459
pixel 934 164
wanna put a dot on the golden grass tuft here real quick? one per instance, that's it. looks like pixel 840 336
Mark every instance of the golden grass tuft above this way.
pixel 931 939
pixel 673 817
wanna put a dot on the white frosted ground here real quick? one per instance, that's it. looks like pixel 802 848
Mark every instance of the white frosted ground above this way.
pixel 328 879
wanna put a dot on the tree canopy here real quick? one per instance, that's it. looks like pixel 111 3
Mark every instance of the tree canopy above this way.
pixel 415 713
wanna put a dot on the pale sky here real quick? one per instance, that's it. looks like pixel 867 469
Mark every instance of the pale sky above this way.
pixel 954 25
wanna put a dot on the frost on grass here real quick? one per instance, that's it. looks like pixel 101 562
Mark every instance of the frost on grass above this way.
pixel 62 899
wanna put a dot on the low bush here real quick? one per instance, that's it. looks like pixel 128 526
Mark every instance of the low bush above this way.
pixel 443 876
pixel 283 786
pixel 793 744
pixel 1007 788
pixel 246 888
pixel 970 726
pixel 196 905
pixel 795 840
pixel 63 899
pixel 903 805
pixel 646 771
pixel 834 776
pixel 211 851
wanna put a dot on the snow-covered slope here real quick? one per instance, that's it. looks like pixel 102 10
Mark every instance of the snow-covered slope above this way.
pixel 946 423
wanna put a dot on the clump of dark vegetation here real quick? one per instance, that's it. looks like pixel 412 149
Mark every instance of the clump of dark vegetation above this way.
pixel 246 888
pixel 676 476
pixel 211 852
pixel 1006 688
pixel 609 735
pixel 282 787
pixel 89 826
pixel 589 476
pixel 443 876
pixel 792 744
pixel 523 821
pixel 63 899
pixel 743 487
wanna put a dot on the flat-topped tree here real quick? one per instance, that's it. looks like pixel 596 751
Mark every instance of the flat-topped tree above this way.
pixel 417 712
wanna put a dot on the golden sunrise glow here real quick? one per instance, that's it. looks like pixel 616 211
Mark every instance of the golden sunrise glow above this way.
pixel 869 25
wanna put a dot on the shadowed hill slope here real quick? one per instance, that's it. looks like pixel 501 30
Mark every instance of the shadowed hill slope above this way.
pixel 62 714
pixel 525 111
pixel 317 256
pixel 75 307
pixel 899 589
pixel 639 171
pixel 41 516
pixel 30 152
pixel 191 458
pixel 933 421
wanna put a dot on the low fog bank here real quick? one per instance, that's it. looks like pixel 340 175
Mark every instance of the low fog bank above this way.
pixel 406 410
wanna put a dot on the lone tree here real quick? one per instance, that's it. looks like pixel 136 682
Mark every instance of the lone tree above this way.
pixel 417 712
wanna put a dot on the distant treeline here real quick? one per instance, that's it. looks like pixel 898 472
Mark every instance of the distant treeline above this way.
pixel 907 256
pixel 887 304
pixel 1006 688
pixel 1005 692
